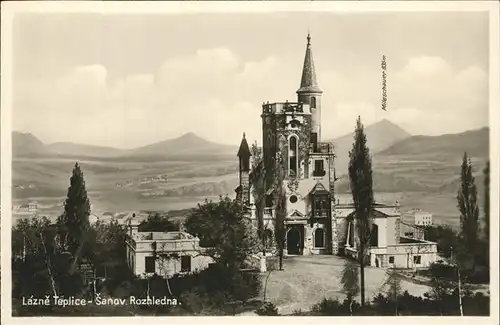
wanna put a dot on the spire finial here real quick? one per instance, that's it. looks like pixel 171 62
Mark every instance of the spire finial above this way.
pixel 243 135
pixel 308 82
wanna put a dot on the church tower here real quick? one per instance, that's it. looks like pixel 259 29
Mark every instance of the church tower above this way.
pixel 310 93
pixel 244 168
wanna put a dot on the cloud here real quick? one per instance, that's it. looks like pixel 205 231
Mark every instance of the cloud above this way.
pixel 217 95
pixel 426 96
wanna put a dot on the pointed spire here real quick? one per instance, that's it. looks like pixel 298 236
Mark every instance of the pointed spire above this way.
pixel 308 83
pixel 244 151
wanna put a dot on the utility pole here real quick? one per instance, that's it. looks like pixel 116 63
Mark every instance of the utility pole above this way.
pixel 459 291
pixel 455 265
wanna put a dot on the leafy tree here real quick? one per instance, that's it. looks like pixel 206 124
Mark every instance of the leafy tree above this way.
pixel 107 248
pixel 445 237
pixel 360 176
pixel 487 212
pixel 393 285
pixel 446 285
pixel 33 253
pixel 157 222
pixel 224 230
pixel 469 216
pixel 258 190
pixel 350 282
pixel 74 222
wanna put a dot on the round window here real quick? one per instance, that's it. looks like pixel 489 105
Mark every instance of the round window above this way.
pixel 293 198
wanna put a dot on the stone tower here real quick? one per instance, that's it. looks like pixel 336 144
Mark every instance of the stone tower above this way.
pixel 292 144
pixel 310 93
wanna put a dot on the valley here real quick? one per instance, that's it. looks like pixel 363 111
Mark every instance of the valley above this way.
pixel 419 172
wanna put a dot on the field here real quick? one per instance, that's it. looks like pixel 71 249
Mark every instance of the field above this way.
pixel 130 186
pixel 123 186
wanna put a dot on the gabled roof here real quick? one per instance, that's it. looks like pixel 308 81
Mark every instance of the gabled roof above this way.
pixel 295 214
pixel 319 189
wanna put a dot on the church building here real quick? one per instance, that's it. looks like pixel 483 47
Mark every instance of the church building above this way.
pixel 292 149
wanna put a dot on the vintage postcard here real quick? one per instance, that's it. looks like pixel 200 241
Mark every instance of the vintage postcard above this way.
pixel 250 159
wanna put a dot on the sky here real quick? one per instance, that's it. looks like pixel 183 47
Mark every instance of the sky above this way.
pixel 130 80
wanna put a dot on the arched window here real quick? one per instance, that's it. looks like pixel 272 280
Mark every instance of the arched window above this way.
pixel 313 102
pixel 293 153
pixel 319 238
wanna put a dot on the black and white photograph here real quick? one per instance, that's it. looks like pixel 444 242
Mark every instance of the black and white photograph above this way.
pixel 250 159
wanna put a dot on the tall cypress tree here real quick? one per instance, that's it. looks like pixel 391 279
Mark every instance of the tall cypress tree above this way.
pixel 280 212
pixel 469 213
pixel 360 176
pixel 75 219
pixel 487 212
pixel 487 201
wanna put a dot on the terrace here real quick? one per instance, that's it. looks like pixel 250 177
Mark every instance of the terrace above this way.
pixel 285 107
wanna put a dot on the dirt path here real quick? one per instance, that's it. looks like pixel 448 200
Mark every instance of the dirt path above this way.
pixel 306 280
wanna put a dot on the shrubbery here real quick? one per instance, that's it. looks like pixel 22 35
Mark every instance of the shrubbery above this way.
pixel 407 305
pixel 267 309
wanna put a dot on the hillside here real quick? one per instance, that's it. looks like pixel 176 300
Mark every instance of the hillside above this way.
pixel 427 163
pixel 76 149
pixel 26 144
pixel 475 142
pixel 188 146
pixel 386 183
pixel 421 171
pixel 380 136
pixel 188 143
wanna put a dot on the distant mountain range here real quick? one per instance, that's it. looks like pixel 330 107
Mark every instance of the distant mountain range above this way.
pixel 425 167
pixel 427 163
pixel 384 138
pixel 380 136
pixel 185 146
pixel 475 142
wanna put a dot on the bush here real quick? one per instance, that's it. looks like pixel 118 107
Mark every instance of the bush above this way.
pixel 267 309
pixel 299 312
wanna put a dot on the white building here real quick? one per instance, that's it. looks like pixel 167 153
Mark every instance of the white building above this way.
pixel 394 244
pixel 419 217
pixel 176 252
pixel 25 211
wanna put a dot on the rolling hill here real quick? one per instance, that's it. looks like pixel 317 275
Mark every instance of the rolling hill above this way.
pixel 187 146
pixel 420 170
pixel 26 144
pixel 380 136
pixel 427 163
pixel 475 142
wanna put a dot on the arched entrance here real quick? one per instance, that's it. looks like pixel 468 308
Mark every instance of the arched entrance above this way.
pixel 293 241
